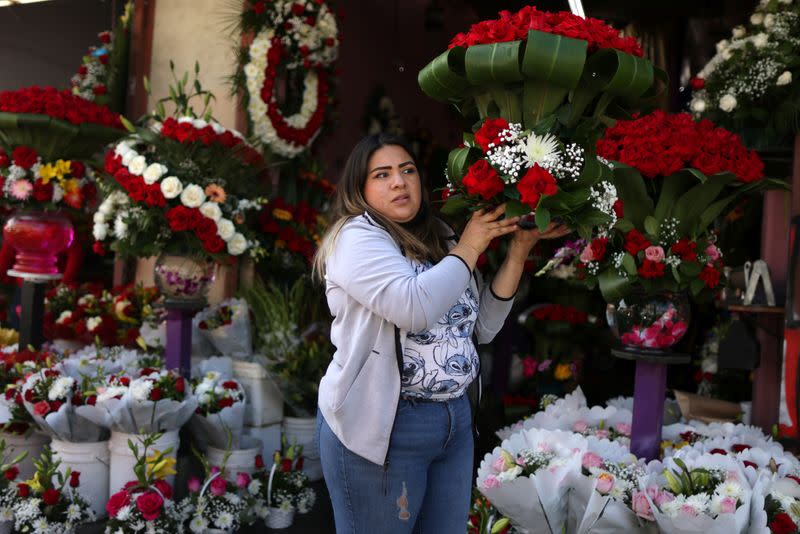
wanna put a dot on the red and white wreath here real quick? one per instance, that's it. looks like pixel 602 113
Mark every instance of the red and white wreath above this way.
pixel 294 35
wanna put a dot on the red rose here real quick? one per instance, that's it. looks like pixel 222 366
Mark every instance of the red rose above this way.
pixel 77 169
pixel 259 7
pixel 651 269
pixel 41 408
pixel 179 218
pixel 185 132
pixel 98 248
pixel 489 133
pixel 619 209
pixel 635 242
pixel 103 59
pixel 782 524
pixel 225 402
pixel 483 180
pixel 286 465
pixel 153 196
pixel 686 249
pixel 164 487
pixel 536 183
pixel 299 464
pixel 719 451
pixel 259 461
pixel 51 496
pixel 105 37
pixel 42 192
pixel 99 89
pixel 180 385
pixel 11 473
pixel 697 83
pixel 136 189
pixel 168 127
pixel 298 9
pixel 207 135
pixel 230 384
pixel 5 161
pixel 149 504
pixel 156 394
pixel 598 247
pixel 24 490
pixel 117 501
pixel 710 276
pixel 24 157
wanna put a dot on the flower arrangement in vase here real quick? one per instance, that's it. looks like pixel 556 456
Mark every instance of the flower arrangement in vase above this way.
pixel 215 502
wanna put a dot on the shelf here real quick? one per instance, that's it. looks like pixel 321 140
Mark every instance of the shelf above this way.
pixel 741 308
pixel 670 358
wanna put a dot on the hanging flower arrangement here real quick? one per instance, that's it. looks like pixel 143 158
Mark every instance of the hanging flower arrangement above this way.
pixel 298 39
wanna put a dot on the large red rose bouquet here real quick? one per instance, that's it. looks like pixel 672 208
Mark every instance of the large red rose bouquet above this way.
pixel 541 87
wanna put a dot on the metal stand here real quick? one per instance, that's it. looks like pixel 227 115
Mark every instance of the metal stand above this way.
pixel 179 333
pixel 649 393
pixel 31 315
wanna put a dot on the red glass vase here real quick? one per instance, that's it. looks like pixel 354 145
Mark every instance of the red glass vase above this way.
pixel 38 238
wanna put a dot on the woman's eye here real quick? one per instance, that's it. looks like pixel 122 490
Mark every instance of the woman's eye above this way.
pixel 409 171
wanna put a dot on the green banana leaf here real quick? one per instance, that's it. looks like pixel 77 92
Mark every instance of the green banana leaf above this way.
pixel 444 78
pixel 673 187
pixel 637 204
pixel 613 286
pixel 691 204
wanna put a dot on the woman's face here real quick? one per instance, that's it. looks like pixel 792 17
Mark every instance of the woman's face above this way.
pixel 393 186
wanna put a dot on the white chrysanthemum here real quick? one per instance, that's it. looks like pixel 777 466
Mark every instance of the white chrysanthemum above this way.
pixel 261 510
pixel 74 512
pixel 64 316
pixel 193 196
pixel 110 393
pixel 41 526
pixel 785 78
pixel 140 389
pixel 124 513
pixel 254 487
pixel 120 227
pixel 211 210
pixel 541 149
pixel 60 388
pixel 756 19
pixel 237 244
pixel 198 524
pixel 100 231
pixel 224 520
pixel 171 187
pixel 137 165
pixel 727 103
pixel 153 173
pixel 672 508
pixel 730 489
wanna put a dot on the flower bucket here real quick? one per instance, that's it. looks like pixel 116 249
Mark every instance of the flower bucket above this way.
pixel 33 443
pixel 264 401
pixel 303 431
pixel 122 460
pixel 242 460
pixel 92 461
pixel 279 518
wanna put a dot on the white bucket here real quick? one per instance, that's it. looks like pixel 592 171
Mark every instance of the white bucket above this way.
pixel 279 518
pixel 270 437
pixel 17 443
pixel 122 460
pixel 240 461
pixel 264 404
pixel 92 461
pixel 303 431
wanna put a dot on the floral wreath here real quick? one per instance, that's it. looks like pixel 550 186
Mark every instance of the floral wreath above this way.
pixel 288 35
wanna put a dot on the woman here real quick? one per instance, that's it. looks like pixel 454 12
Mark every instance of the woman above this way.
pixel 395 427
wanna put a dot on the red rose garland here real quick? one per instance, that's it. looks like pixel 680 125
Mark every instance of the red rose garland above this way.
pixel 58 105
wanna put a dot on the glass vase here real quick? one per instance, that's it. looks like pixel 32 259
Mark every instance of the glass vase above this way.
pixel 650 322
pixel 37 237
pixel 183 278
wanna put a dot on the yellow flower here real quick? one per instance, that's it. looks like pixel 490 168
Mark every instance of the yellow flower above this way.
pixel 8 336
pixel 35 484
pixel 62 168
pixel 47 172
pixel 562 372
pixel 72 185
pixel 281 214
pixel 160 466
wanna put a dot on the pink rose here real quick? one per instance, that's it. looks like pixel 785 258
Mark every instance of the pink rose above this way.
pixel 499 464
pixel 601 433
pixel 219 486
pixel 654 253
pixel 529 366
pixel 727 505
pixel 580 426
pixel 641 506
pixel 663 340
pixel 587 254
pixel 491 482
pixel 623 428
pixel 663 497
pixel 605 483
pixel 591 459
pixel 214 470
pixel 194 484
pixel 242 480
pixel 688 510
pixel 629 338
pixel 713 252
pixel 678 329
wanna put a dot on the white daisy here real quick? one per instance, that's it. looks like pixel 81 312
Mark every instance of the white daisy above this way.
pixel 74 512
pixel 224 520
pixel 198 524
pixel 541 149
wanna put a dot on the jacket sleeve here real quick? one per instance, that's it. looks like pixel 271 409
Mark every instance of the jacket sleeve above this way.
pixel 368 265
pixel 492 312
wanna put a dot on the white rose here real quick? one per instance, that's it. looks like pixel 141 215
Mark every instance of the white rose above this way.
pixel 769 21
pixel 106 207
pixel 785 78
pixel 171 187
pixel 193 196
pixel 211 210
pixel 153 173
pixel 120 228
pixel 727 103
pixel 100 231
pixel 237 244
pixel 137 165
pixel 698 105
pixel 760 40
pixel 739 32
pixel 756 19
pixel 128 156
pixel 225 229
pixel 722 45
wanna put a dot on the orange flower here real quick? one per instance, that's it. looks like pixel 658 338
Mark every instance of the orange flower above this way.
pixel 215 193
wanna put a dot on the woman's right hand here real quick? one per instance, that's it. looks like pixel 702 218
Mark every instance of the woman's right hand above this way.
pixel 482 228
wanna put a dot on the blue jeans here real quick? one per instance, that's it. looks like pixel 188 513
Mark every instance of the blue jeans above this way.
pixel 424 487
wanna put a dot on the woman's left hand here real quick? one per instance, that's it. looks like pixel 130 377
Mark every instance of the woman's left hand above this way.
pixel 524 240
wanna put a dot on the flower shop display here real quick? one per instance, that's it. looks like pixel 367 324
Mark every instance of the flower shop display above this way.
pixel 290 42
pixel 227 327
pixel 539 85
pixel 294 230
pixel 750 84
pixel 8 489
pixel 50 501
pixel 103 74
pixel 550 405
pixel 775 507
pixel 146 502
pixel 219 416
pixel 214 502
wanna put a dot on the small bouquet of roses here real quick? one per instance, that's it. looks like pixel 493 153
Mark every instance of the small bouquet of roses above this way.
pixel 51 398
pixel 214 501
pixel 50 501
pixel 220 411
pixel 775 507
pixel 146 504
pixel 705 494
pixel 527 478
pixel 227 327
pixel 285 486
pixel 15 368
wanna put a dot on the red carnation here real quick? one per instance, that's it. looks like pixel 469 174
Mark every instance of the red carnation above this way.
pixel 225 402
pixel 259 7
pixel 150 504
pixel 105 37
pixel 286 465
pixel 99 89
pixel 24 157
pixel 686 249
pixel 298 9
pixel 77 169
pixel 651 269
pixel 719 451
pixel 41 408
pixel 11 473
pixel 136 188
pixel 42 192
pixel 635 242
pixel 483 180
pixel 185 132
pixel 24 490
pixel 164 487
pixel 74 479
pixel 180 385
pixel 739 447
pixel 489 133
pixel 98 248
pixel 710 276
pixel 598 246
pixel 179 218
pixel 782 524
pixel 536 183
pixel 748 463
pixel 206 228
pixel 51 496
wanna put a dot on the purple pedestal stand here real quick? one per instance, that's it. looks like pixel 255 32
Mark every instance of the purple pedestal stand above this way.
pixel 179 334
pixel 649 392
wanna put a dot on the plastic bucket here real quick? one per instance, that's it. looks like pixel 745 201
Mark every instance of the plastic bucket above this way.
pixel 303 431
pixel 242 460
pixel 92 461
pixel 122 460
pixel 264 404
pixel 17 443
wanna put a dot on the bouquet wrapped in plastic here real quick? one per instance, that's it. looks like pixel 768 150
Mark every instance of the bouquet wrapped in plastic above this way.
pixel 220 412
pixel 571 401
pixel 227 327
pixel 775 507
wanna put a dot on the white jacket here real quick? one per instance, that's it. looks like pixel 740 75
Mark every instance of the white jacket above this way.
pixel 371 287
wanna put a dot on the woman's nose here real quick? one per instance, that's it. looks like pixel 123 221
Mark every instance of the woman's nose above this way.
pixel 398 181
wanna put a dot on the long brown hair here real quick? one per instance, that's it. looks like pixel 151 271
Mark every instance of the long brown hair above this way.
pixel 421 241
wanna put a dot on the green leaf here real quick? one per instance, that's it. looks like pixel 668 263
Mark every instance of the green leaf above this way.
pixel 696 286
pixel 542 217
pixel 623 225
pixel 629 264
pixel 443 78
pixel 676 274
pixel 127 124
pixel 613 286
pixel 632 192
pixel 673 187
pixel 691 205
pixel 454 205
pixel 651 226
pixel 495 62
pixel 690 268
pixel 458 161
pixel 515 208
